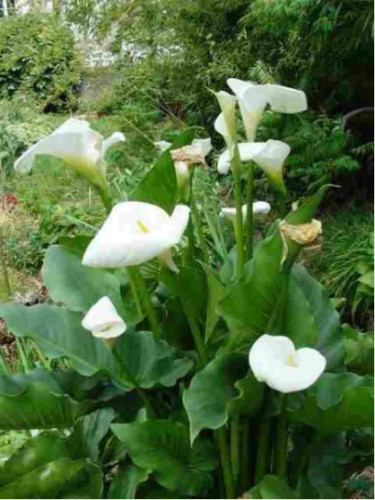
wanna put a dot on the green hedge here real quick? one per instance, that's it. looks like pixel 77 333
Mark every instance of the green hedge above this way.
pixel 38 60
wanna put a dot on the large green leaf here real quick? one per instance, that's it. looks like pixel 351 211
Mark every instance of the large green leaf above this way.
pixel 164 447
pixel 325 469
pixel 190 285
pixel 42 469
pixel 337 402
pixel 254 300
pixel 250 396
pixel 273 487
pixel 216 292
pixel 88 433
pixel 141 360
pixel 58 333
pixel 79 287
pixel 159 185
pixel 212 389
pixel 149 361
pixel 35 400
pixel 125 483
pixel 256 303
pixel 311 319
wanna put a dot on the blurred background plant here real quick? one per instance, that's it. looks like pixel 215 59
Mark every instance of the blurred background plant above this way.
pixel 46 69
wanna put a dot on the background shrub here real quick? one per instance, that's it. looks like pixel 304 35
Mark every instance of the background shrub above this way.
pixel 38 60
pixel 324 47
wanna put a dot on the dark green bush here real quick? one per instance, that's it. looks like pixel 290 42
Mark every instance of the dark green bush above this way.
pixel 324 47
pixel 38 61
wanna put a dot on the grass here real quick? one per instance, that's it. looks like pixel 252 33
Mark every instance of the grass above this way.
pixel 347 243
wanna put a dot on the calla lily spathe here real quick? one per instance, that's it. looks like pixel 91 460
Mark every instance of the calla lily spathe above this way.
pixel 259 207
pixel 275 361
pixel 253 99
pixel 103 321
pixel 136 232
pixel 76 143
pixel 225 124
pixel 270 156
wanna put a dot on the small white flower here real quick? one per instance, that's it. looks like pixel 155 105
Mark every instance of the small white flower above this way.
pixel 259 207
pixel 275 361
pixel 103 321
pixel 270 156
pixel 76 143
pixel 253 99
pixel 134 233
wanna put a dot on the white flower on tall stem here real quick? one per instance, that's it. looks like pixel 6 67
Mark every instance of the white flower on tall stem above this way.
pixel 136 232
pixel 253 99
pixel 226 123
pixel 103 321
pixel 78 145
pixel 259 207
pixel 270 156
pixel 275 361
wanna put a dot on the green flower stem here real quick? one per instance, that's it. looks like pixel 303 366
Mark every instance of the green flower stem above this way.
pixel 4 271
pixel 197 221
pixel 281 440
pixel 141 287
pixel 282 206
pixel 235 446
pixel 195 330
pixel 201 237
pixel 147 402
pixel 105 197
pixel 244 472
pixel 249 224
pixel 236 169
pixel 262 451
pixel 262 458
pixel 189 252
pixel 133 286
pixel 222 444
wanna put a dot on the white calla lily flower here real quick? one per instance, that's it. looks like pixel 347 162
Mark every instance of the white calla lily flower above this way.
pixel 136 232
pixel 253 99
pixel 103 321
pixel 76 143
pixel 275 361
pixel 259 207
pixel 270 156
pixel 225 123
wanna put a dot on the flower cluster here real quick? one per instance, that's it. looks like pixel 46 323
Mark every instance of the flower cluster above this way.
pixel 136 232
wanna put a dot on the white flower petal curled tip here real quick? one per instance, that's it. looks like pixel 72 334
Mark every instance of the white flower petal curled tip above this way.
pixel 275 361
pixel 111 141
pixel 134 233
pixel 103 321
pixel 259 207
pixel 76 143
